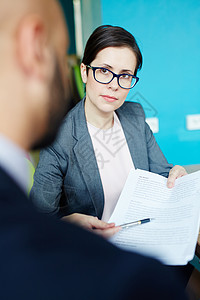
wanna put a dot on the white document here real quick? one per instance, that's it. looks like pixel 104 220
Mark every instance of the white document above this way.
pixel 171 237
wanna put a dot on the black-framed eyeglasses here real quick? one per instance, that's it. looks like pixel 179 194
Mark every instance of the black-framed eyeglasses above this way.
pixel 105 76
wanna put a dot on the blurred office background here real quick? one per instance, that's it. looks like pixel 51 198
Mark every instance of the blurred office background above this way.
pixel 168 34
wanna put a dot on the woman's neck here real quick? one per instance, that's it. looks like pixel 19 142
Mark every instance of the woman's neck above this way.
pixel 103 120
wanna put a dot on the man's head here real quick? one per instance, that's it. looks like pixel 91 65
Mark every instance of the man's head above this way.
pixel 33 81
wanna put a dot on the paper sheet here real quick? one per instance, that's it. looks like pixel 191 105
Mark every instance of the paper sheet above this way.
pixel 172 236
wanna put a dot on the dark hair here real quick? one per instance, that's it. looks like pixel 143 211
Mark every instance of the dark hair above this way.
pixel 110 36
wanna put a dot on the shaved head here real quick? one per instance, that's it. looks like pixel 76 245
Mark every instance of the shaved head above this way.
pixel 33 73
pixel 12 14
pixel 14 10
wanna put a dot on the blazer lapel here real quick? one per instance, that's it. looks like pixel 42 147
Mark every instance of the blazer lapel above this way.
pixel 85 156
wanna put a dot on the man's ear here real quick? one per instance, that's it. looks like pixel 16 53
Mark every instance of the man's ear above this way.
pixel 83 73
pixel 31 42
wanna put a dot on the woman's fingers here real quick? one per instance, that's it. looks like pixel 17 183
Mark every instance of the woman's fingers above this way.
pixel 175 172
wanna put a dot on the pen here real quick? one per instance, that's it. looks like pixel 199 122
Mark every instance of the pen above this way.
pixel 127 225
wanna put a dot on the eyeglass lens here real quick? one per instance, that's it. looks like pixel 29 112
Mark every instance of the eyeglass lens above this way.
pixel 105 76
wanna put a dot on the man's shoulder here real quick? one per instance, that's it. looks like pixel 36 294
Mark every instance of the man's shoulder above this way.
pixel 7 184
pixel 48 248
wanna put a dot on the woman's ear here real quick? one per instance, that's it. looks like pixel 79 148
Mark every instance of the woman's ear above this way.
pixel 83 73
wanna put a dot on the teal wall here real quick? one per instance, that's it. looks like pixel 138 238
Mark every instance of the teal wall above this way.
pixel 68 9
pixel 168 33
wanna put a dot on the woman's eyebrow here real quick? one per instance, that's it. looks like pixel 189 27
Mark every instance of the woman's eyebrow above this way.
pixel 106 66
pixel 111 68
pixel 126 71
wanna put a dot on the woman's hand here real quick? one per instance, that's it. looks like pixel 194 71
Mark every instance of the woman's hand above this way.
pixel 175 172
pixel 93 224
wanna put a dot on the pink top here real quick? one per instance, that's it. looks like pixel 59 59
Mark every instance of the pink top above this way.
pixel 114 162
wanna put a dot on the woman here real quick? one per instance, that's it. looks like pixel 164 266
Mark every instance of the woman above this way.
pixel 83 173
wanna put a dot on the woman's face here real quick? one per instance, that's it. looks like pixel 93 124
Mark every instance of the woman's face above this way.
pixel 105 98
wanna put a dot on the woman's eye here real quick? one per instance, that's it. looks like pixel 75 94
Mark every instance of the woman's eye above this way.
pixel 104 71
pixel 125 76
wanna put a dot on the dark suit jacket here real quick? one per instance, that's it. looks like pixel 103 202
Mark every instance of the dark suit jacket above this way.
pixel 42 258
pixel 67 175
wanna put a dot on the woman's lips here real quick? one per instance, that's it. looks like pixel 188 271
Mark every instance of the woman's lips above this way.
pixel 109 98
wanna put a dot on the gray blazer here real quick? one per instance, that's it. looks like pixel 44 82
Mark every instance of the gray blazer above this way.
pixel 67 178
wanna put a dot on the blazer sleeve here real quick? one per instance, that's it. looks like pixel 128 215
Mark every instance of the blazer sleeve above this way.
pixel 48 179
pixel 144 149
pixel 157 161
pixel 148 154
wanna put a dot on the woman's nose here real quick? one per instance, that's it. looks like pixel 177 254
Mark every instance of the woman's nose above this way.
pixel 114 84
